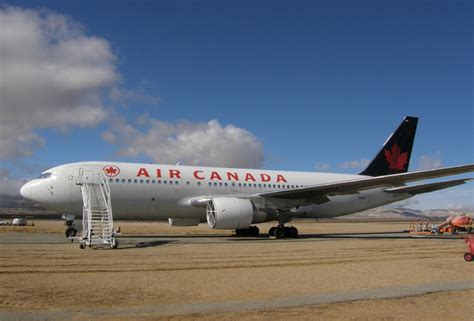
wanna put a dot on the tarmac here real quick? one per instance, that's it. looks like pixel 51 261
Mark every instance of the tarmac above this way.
pixel 327 265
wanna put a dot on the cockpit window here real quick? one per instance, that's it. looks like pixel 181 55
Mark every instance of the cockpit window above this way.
pixel 46 175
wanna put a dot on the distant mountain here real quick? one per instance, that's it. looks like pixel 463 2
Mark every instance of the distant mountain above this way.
pixel 16 205
pixel 403 213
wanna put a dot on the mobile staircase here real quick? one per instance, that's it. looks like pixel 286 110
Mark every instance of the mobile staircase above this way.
pixel 97 219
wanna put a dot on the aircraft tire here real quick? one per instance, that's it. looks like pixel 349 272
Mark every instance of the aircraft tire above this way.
pixel 82 246
pixel 468 257
pixel 255 231
pixel 293 232
pixel 271 231
pixel 280 232
pixel 251 231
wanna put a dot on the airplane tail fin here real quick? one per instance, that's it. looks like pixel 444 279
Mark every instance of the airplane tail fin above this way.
pixel 394 157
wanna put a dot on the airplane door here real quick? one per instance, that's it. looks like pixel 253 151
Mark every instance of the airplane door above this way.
pixel 88 175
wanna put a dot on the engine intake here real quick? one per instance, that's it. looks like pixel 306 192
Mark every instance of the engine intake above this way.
pixel 229 213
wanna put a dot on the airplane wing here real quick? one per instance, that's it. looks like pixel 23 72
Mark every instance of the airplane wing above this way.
pixel 426 188
pixel 365 182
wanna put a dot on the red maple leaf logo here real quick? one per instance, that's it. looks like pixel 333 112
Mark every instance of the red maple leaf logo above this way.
pixel 395 159
pixel 111 171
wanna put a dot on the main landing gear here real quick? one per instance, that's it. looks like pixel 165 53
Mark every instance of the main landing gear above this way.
pixel 282 231
pixel 251 231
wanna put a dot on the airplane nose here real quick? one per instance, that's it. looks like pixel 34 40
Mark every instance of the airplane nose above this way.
pixel 26 191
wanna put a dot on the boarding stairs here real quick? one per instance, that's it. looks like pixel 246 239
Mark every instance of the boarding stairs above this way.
pixel 97 219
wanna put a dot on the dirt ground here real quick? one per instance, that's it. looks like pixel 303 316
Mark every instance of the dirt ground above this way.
pixel 162 272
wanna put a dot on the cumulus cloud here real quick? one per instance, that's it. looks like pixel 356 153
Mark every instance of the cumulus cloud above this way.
pixel 209 144
pixel 430 162
pixel 355 164
pixel 51 76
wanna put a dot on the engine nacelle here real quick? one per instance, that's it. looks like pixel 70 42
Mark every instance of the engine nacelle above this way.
pixel 229 213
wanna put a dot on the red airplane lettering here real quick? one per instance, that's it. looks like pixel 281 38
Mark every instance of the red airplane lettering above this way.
pixel 233 176
pixel 196 175
pixel 143 172
pixel 249 177
pixel 175 173
pixel 215 175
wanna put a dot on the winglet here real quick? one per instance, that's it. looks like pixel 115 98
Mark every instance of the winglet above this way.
pixel 394 157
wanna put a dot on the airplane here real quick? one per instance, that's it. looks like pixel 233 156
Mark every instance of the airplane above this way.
pixel 237 199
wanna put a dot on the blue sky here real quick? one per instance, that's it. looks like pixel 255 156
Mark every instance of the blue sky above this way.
pixel 318 83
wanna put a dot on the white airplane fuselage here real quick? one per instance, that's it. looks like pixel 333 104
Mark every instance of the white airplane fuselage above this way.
pixel 159 192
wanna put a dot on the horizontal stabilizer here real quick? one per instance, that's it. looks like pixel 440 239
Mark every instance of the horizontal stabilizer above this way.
pixel 426 188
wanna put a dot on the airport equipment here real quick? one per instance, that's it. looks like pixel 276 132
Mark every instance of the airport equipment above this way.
pixel 468 256
pixel 422 228
pixel 97 219
pixel 19 221
pixel 454 225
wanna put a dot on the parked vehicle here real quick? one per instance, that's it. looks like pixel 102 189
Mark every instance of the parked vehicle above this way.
pixel 19 221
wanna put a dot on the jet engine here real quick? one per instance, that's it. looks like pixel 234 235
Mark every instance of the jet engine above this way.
pixel 229 213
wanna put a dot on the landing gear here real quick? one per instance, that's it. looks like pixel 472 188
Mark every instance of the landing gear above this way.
pixel 114 244
pixel 251 231
pixel 282 231
pixel 70 229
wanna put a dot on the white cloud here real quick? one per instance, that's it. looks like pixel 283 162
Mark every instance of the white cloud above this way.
pixel 51 76
pixel 188 143
pixel 430 162
pixel 322 167
pixel 460 197
pixel 355 164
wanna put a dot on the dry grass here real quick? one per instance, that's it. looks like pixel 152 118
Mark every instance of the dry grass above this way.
pixel 60 276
